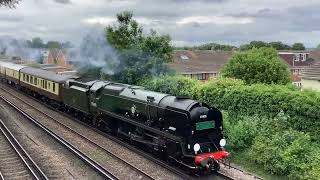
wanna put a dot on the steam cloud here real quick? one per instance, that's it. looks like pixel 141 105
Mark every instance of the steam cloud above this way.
pixel 95 51
pixel 19 47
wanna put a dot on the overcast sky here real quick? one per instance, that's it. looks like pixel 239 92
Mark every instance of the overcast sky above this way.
pixel 188 22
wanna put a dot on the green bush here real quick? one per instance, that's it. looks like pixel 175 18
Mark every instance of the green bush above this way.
pixel 240 132
pixel 265 100
pixel 288 153
pixel 175 85
pixel 239 99
pixel 277 124
pixel 261 65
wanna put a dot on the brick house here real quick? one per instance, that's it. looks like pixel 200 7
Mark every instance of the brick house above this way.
pixel 57 57
pixel 199 64
pixel 205 64
pixel 297 61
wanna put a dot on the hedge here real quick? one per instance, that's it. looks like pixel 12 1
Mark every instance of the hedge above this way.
pixel 234 96
pixel 276 124
pixel 271 143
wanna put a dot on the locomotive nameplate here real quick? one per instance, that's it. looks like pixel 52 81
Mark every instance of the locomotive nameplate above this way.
pixel 205 125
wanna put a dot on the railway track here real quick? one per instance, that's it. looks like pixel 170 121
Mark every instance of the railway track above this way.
pixel 142 174
pixel 177 171
pixel 97 167
pixel 15 162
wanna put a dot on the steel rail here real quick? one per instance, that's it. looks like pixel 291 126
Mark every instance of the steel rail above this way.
pixel 1 176
pixel 117 140
pixel 96 166
pixel 86 138
pixel 35 170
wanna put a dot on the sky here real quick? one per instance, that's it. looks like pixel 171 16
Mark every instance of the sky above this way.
pixel 188 22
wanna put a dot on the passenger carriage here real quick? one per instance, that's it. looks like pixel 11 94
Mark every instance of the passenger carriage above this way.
pixel 11 72
pixel 44 83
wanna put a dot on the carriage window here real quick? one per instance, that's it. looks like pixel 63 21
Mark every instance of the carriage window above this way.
pixel 24 77
pixel 54 87
pixel 31 79
pixel 35 81
pixel 45 84
pixel 27 78
pixel 49 84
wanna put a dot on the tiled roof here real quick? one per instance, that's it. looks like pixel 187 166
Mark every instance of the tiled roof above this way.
pixel 315 55
pixel 199 61
pixel 313 72
pixel 54 53
pixel 287 56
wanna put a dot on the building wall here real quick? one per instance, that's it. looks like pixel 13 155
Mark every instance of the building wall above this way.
pixel 201 76
pixel 310 84
pixel 59 60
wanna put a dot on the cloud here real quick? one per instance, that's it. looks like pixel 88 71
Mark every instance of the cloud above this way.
pixel 63 1
pixel 99 20
pixel 186 21
pixel 218 20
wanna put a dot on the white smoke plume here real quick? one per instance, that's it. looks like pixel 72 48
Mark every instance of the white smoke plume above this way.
pixel 94 51
pixel 19 47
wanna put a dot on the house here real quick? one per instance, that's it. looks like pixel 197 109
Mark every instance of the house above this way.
pixel 297 61
pixel 199 64
pixel 57 57
pixel 310 77
pixel 205 64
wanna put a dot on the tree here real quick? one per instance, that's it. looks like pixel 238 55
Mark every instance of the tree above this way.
pixel 259 44
pixel 245 47
pixel 127 34
pixel 9 3
pixel 3 49
pixel 53 45
pixel 139 55
pixel 298 46
pixel 254 44
pixel 257 66
pixel 215 46
pixel 278 45
pixel 37 43
pixel 66 45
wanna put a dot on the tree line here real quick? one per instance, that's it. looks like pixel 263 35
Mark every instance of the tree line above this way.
pixel 39 43
pixel 9 3
pixel 278 45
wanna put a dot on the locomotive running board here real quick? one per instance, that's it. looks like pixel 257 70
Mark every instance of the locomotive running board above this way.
pixel 170 136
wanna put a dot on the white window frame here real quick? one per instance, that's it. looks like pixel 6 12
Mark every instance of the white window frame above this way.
pixel 296 57
pixel 202 76
pixel 304 57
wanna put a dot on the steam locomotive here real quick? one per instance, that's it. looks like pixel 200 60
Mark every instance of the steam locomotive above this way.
pixel 177 129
